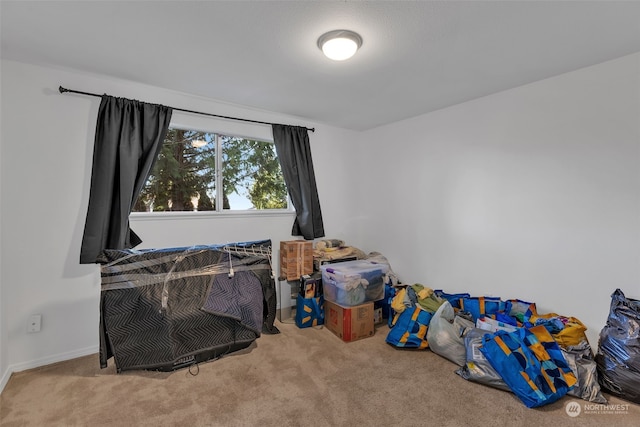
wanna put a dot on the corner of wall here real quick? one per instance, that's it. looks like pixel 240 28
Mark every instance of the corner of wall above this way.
pixel 4 379
pixel 4 371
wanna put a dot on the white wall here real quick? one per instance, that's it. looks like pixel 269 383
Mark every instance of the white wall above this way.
pixel 47 143
pixel 4 372
pixel 532 193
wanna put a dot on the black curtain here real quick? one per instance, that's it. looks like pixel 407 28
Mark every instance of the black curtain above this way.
pixel 129 136
pixel 294 153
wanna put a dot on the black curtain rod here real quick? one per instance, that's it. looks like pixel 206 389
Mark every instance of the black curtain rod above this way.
pixel 63 90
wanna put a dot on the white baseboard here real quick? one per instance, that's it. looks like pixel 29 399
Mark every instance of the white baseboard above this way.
pixel 61 357
pixel 5 379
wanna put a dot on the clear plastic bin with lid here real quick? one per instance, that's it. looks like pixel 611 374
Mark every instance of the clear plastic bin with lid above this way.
pixel 353 282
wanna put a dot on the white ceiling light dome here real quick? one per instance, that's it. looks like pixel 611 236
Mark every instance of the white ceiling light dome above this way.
pixel 339 44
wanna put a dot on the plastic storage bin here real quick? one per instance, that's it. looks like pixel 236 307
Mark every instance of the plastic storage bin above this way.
pixel 353 282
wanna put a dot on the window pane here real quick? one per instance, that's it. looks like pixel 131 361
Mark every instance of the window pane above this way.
pixel 184 175
pixel 183 178
pixel 251 175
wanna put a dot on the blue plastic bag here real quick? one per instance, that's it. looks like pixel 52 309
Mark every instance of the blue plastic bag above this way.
pixel 521 310
pixel 454 299
pixel 309 311
pixel 531 363
pixel 479 306
pixel 410 330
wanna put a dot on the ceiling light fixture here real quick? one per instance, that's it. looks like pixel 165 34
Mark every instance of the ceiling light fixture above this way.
pixel 339 44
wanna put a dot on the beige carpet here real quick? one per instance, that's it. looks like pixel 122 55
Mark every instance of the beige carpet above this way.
pixel 302 377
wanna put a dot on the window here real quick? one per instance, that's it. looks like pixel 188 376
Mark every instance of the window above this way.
pixel 185 178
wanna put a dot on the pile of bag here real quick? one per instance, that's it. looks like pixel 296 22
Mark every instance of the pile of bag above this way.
pixel 414 306
pixel 503 344
pixel 618 355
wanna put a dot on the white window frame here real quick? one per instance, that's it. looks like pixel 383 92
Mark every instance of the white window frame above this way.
pixel 222 213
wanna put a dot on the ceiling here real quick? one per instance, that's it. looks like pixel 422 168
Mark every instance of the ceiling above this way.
pixel 416 57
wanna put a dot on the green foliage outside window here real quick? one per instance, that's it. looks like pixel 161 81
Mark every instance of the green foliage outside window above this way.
pixel 184 175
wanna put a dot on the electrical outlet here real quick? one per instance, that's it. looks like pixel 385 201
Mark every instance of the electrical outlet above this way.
pixel 35 323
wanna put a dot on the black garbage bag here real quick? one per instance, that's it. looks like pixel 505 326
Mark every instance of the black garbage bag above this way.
pixel 618 357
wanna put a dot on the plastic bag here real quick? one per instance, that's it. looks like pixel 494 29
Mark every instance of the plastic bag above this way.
pixel 521 310
pixel 618 357
pixel 491 325
pixel 410 329
pixel 531 363
pixel 454 299
pixel 477 368
pixel 446 334
pixel 580 359
pixel 569 333
pixel 309 311
pixel 478 306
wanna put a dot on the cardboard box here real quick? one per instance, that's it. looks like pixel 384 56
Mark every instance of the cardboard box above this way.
pixel 296 259
pixel 349 323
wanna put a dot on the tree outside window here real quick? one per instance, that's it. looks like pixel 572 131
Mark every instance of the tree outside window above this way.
pixel 184 176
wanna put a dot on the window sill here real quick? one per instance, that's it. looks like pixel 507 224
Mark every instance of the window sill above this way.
pixel 163 216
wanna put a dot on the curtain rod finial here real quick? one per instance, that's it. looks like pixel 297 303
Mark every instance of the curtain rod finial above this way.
pixel 62 90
